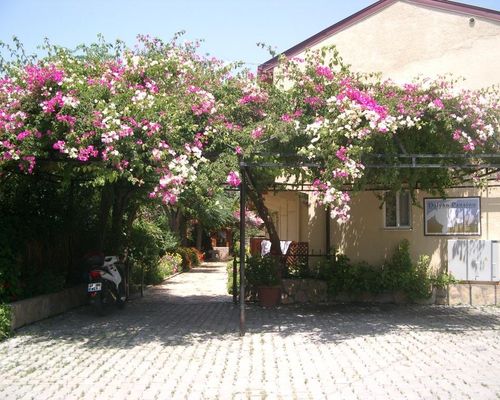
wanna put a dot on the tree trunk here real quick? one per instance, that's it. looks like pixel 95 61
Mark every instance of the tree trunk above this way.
pixel 121 199
pixel 182 224
pixel 199 235
pixel 258 201
pixel 132 214
pixel 104 212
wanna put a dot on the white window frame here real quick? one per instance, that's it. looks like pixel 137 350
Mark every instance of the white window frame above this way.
pixel 398 225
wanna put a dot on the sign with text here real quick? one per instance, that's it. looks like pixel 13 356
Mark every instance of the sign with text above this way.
pixel 452 216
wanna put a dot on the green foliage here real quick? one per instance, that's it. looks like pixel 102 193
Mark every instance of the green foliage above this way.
pixel 10 288
pixel 154 274
pixel 208 203
pixel 191 257
pixel 148 242
pixel 196 256
pixel 262 271
pixel 46 226
pixel 442 280
pixel 355 278
pixel 418 281
pixel 398 274
pixel 185 254
pixel 401 259
pixel 299 269
pixel 229 270
pixel 168 265
pixel 5 319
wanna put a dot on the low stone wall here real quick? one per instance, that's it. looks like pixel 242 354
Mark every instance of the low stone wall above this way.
pixel 315 291
pixel 475 294
pixel 438 296
pixel 303 291
pixel 37 308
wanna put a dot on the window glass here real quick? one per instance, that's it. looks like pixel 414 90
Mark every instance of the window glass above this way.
pixel 390 210
pixel 397 210
pixel 404 209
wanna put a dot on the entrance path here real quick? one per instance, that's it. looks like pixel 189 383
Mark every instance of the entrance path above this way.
pixel 201 285
pixel 181 342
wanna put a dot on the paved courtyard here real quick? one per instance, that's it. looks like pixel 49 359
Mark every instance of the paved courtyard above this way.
pixel 181 342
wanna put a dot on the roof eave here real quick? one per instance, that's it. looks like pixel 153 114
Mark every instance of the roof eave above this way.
pixel 370 10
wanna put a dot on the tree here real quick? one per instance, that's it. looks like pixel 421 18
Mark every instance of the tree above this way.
pixel 149 119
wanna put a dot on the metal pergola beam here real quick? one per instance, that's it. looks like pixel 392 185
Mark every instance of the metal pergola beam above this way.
pixel 449 161
pixel 434 166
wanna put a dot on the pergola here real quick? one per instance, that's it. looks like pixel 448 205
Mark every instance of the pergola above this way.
pixel 488 163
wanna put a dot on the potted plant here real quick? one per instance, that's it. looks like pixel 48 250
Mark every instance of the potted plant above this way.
pixel 262 274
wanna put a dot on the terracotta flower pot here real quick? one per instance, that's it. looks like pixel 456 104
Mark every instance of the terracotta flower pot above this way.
pixel 269 296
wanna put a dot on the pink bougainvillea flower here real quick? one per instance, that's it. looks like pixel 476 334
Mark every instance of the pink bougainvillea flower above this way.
pixel 438 103
pixel 257 133
pixel 321 70
pixel 59 145
pixel 341 153
pixel 233 179
pixel 23 135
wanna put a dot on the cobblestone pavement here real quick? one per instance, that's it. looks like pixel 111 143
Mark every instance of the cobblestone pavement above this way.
pixel 181 342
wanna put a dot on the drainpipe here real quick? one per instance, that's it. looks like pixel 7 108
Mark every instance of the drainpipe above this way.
pixel 327 233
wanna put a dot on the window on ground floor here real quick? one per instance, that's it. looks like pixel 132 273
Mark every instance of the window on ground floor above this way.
pixel 397 209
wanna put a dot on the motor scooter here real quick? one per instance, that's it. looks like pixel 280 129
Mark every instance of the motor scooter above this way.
pixel 106 284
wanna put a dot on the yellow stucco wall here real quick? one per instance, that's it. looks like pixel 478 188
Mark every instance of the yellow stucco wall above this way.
pixel 405 40
pixel 287 206
pixel 364 237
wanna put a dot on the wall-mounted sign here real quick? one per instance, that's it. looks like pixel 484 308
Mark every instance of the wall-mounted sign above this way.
pixel 452 216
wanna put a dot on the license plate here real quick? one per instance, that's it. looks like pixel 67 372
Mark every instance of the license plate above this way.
pixel 94 287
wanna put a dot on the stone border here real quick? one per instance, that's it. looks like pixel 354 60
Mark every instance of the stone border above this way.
pixel 37 308
pixel 315 291
pixel 303 291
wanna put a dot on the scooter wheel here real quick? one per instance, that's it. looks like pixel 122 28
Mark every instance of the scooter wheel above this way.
pixel 104 302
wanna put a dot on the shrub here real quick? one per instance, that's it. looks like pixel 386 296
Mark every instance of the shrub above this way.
pixel 191 257
pixel 229 269
pixel 299 269
pixel 326 268
pixel 186 262
pixel 169 264
pixel 10 288
pixel 401 259
pixel 154 274
pixel 442 280
pixel 5 318
pixel 262 271
pixel 399 273
pixel 148 242
pixel 418 282
pixel 196 256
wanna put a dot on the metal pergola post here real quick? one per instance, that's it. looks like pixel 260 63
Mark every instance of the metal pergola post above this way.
pixel 235 283
pixel 242 247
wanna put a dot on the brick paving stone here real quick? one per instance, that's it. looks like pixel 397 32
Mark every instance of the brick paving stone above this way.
pixel 181 342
